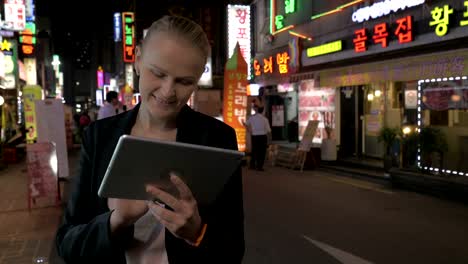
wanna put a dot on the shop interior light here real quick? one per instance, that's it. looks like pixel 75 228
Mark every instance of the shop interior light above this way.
pixel 370 97
pixel 377 93
pixel 456 98
pixel 2 100
pixel 406 130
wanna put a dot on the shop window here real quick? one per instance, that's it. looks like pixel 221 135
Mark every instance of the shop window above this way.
pixel 439 118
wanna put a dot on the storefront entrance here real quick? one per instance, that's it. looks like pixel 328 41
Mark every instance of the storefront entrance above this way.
pixel 352 101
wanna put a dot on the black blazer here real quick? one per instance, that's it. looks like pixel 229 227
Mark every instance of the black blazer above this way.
pixel 84 236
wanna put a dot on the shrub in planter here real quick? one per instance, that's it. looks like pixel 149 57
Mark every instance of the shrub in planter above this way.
pixel 388 136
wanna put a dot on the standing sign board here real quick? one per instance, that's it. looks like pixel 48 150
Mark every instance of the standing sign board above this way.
pixel 309 133
pixel 42 174
pixel 51 128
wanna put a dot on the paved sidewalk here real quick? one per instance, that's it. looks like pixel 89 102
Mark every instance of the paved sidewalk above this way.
pixel 25 236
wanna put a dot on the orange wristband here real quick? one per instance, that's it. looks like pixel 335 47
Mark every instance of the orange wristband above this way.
pixel 200 237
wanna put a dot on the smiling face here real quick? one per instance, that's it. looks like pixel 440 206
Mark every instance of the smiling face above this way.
pixel 169 69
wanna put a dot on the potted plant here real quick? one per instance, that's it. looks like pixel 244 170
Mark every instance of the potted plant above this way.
pixel 388 136
pixel 328 147
pixel 433 144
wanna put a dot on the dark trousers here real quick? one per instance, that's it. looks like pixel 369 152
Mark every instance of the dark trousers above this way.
pixel 259 147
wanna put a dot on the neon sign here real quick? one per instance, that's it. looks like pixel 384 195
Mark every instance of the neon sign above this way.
pixel 277 20
pixel 383 8
pixel 325 48
pixel 28 38
pixel 465 15
pixel 404 32
pixel 239 32
pixel 278 63
pixel 441 19
pixel 117 27
pixel 128 36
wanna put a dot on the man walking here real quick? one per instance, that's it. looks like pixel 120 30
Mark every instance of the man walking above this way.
pixel 259 129
pixel 111 107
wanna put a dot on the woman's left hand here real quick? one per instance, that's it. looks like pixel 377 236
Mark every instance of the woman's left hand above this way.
pixel 185 221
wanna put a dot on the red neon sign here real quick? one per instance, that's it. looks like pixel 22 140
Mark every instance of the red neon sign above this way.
pixel 360 40
pixel 404 30
pixel 128 39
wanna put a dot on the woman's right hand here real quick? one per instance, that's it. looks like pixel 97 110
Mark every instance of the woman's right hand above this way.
pixel 126 212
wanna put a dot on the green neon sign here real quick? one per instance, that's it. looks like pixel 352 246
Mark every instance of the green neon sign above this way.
pixel 290 6
pixel 277 19
pixel 325 48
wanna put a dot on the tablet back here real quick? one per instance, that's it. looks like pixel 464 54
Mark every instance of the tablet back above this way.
pixel 140 161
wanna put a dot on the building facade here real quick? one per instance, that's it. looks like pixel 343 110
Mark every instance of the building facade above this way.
pixel 374 64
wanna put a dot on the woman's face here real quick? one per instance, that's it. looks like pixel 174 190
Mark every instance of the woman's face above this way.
pixel 169 69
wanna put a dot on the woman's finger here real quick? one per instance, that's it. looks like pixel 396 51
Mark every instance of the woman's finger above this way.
pixel 183 189
pixel 164 197
pixel 162 213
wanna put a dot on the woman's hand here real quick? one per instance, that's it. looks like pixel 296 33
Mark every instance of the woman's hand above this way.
pixel 126 212
pixel 184 221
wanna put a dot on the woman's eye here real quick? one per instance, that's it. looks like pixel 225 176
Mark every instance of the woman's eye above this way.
pixel 159 75
pixel 186 82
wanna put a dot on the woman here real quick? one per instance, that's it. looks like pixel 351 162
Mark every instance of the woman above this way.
pixel 169 64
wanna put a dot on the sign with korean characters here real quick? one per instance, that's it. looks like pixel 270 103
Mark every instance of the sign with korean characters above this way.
pixel 276 64
pixel 30 94
pixel 442 16
pixel 15 15
pixel 128 36
pixel 235 96
pixel 239 31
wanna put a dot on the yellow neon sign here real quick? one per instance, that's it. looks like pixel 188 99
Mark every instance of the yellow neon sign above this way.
pixel 325 48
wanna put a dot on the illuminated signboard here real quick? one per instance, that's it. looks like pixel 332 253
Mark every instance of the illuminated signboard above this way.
pixel 275 64
pixel 325 48
pixel 100 78
pixel 117 27
pixel 277 18
pixel 440 16
pixel 30 16
pixel 15 15
pixel 239 32
pixel 28 38
pixel 207 77
pixel 403 31
pixel 465 15
pixel 31 73
pixel 383 8
pixel 128 36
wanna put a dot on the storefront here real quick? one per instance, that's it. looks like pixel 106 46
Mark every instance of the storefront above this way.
pixel 278 94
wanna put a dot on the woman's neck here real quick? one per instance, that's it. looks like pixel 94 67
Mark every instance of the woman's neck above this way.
pixel 149 125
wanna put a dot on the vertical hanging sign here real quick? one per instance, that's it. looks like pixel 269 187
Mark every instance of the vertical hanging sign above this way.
pixel 235 96
pixel 128 36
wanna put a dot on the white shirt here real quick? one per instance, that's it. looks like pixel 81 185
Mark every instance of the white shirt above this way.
pixel 107 110
pixel 259 125
pixel 148 245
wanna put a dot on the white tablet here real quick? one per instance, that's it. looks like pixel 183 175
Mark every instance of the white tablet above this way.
pixel 139 161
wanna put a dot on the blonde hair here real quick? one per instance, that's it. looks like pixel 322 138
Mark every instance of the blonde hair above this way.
pixel 183 28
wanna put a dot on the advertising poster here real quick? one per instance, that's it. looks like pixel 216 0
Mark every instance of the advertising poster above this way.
pixel 41 162
pixel 277 117
pixel 317 104
pixel 30 94
pixel 235 96
pixel 51 128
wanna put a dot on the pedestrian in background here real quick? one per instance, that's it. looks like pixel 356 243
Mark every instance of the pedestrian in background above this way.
pixel 111 107
pixel 260 132
pixel 169 63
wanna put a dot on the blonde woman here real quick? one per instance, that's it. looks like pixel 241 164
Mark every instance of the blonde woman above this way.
pixel 169 64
